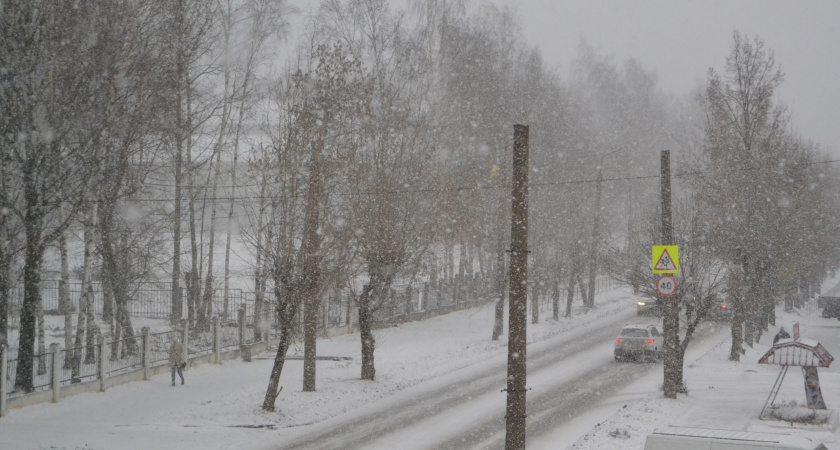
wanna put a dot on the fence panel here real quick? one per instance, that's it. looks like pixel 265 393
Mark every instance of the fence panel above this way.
pixel 11 374
pixel 125 355
pixel 201 343
pixel 250 323
pixel 87 370
pixel 42 372
pixel 229 336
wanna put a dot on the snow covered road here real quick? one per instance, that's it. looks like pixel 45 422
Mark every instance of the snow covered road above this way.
pixel 567 375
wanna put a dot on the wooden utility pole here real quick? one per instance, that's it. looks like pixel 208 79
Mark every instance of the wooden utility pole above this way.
pixel 517 322
pixel 672 382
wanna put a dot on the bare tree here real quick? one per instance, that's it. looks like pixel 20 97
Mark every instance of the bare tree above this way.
pixel 316 130
pixel 187 27
pixel 50 68
pixel 744 130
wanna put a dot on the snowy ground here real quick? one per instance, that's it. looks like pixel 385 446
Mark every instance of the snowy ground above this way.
pixel 723 394
pixel 219 405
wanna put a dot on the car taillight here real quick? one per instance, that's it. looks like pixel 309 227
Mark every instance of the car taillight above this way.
pixel 619 340
pixel 723 306
pixel 649 341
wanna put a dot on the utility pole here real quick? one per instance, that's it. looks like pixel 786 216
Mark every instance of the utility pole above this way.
pixel 672 382
pixel 517 322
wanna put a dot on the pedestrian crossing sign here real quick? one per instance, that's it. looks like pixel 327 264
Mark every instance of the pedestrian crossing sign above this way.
pixel 666 259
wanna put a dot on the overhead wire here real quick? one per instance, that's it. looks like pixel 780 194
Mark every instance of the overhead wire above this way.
pixel 487 186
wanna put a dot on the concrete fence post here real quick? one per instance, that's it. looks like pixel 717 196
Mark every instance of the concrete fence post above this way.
pixel 101 373
pixel 4 370
pixel 217 340
pixel 185 339
pixel 55 355
pixel 147 353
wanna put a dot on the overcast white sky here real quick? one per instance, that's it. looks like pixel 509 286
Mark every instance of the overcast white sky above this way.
pixel 681 39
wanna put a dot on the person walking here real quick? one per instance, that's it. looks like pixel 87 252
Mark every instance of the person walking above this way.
pixel 177 359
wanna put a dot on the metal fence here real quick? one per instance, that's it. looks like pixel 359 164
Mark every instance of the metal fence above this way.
pixel 78 364
pixel 201 342
pixel 11 376
pixel 41 373
pixel 125 355
pixel 229 336
pixel 338 308
pixel 147 299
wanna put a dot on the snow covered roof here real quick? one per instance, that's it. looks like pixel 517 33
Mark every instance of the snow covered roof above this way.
pixel 802 352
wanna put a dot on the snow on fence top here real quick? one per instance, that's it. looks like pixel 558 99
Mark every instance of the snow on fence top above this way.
pixel 802 352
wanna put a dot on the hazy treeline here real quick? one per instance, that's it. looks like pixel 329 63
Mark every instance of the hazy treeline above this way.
pixel 372 147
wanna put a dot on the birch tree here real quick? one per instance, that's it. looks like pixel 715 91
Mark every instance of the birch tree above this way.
pixel 316 129
pixel 49 54
pixel 744 127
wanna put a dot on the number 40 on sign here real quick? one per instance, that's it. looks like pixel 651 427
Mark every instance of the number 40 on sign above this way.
pixel 666 285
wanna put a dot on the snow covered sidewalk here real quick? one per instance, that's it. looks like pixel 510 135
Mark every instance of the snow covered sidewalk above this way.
pixel 724 394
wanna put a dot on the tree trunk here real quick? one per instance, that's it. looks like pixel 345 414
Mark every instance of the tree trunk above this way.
pixel 737 327
pixel 535 302
pixel 463 261
pixel 92 329
pixel 115 269
pixel 555 300
pixel 570 293
pixel 593 250
pixel 366 333
pixel 279 360
pixel 81 328
pixel 286 313
pixel 749 315
pixel 584 295
pixel 311 271
pixel 5 267
pixel 259 281
pixel 194 285
pixel 42 347
pixel 207 307
pixel 310 327
pixel 501 280
pixel 64 297
pixel 31 299
pixel 177 300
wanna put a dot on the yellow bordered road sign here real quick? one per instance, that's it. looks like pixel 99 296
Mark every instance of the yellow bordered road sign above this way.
pixel 665 259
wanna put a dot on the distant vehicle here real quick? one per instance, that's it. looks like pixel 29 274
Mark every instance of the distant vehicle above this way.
pixel 829 305
pixel 688 438
pixel 720 308
pixel 648 307
pixel 636 341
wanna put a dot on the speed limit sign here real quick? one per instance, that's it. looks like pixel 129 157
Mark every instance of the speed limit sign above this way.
pixel 666 286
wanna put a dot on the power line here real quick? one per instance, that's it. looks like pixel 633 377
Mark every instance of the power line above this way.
pixel 251 198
